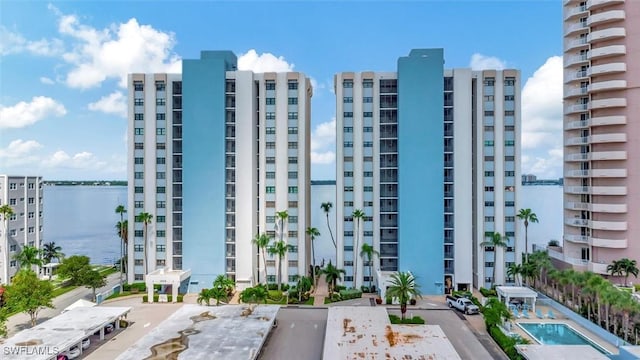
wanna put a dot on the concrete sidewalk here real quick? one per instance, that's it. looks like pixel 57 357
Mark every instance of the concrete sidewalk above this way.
pixel 321 292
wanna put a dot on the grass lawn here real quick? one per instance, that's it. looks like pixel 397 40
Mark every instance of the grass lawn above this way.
pixel 63 290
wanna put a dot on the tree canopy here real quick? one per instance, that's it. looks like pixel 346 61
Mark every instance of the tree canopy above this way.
pixel 29 294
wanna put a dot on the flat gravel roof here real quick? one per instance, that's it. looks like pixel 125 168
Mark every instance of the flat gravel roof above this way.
pixel 196 332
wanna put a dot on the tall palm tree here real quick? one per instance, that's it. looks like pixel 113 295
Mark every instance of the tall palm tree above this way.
pixel 28 257
pixel 627 267
pixel 614 268
pixel 496 240
pixel 6 211
pixel 369 251
pixel 122 229
pixel 313 232
pixel 326 207
pixel 120 209
pixel 514 270
pixel 262 241
pixel 358 214
pixel 528 216
pixel 332 275
pixel 51 251
pixel 146 219
pixel 279 248
pixel 403 286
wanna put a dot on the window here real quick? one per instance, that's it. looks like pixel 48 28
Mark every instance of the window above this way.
pixel 293 189
pixel 13 263
pixel 348 203
pixel 367 144
pixel 138 277
pixel 488 143
pixel 270 175
pixel 270 130
pixel 139 146
pixel 270 101
pixel 489 81
pixel 509 203
pixel 348 129
pixel 138 86
pixel 488 98
pixel 138 131
pixel 162 146
pixel 488 264
pixel 293 174
pixel 367 114
pixel 160 86
pixel 31 200
pixel 13 247
pixel 488 203
pixel 138 102
pixel 270 160
pixel 509 173
pixel 367 99
pixel 488 113
pixel 31 229
pixel 489 173
pixel 488 188
pixel 13 217
pixel 270 115
pixel 31 215
pixel 161 189
pixel 138 248
pixel 489 219
pixel 293 145
pixel 161 102
pixel 271 189
pixel 347 99
pixel 161 160
pixel 161 219
pixel 348 144
pixel 347 114
pixel 293 85
pixel 368 188
pixel 293 130
pixel 270 145
pixel 348 174
pixel 160 131
pixel 161 248
pixel 367 83
pixel 160 233
pixel 138 161
pixel 509 142
pixel 368 174
pixel 348 189
pixel 510 219
pixel 293 219
pixel 270 219
pixel 509 81
pixel 509 98
pixel 367 129
pixel 293 249
pixel 160 117
pixel 292 115
pixel 509 113
pixel 12 201
pixel 138 262
pixel 138 204
pixel 138 116
pixel 293 160
pixel 347 84
pixel 161 204
pixel 161 262
pixel 270 85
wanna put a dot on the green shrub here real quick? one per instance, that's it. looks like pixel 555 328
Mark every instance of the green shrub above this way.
pixel 350 294
pixel 416 320
pixel 488 292
pixel 505 342
pixel 140 286
pixel 553 243
pixel 466 294
pixel 340 287
pixel 145 298
pixel 388 300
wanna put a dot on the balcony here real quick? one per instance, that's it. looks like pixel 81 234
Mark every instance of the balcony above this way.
pixel 606 51
pixel 576 108
pixel 575 92
pixel 576 44
pixel 608 120
pixel 576 157
pixel 608 225
pixel 573 125
pixel 576 189
pixel 607 138
pixel 576 222
pixel 575 28
pixel 595 4
pixel 608 243
pixel 575 11
pixel 606 34
pixel 598 268
pixel 578 140
pixel 611 68
pixel 608 155
pixel 609 208
pixel 576 238
pixel 609 190
pixel 609 173
pixel 577 173
pixel 606 17
pixel 555 254
pixel 574 76
pixel 607 85
pixel 575 261
pixel 576 206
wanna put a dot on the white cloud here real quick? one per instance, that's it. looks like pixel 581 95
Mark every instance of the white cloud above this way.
pixel 323 140
pixel 483 62
pixel 47 81
pixel 27 113
pixel 265 62
pixel 542 121
pixel 14 43
pixel 114 103
pixel 19 148
pixel 112 53
pixel 82 160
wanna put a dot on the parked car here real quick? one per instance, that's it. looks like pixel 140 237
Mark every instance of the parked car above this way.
pixel 109 328
pixel 86 343
pixel 463 304
pixel 73 353
pixel 62 357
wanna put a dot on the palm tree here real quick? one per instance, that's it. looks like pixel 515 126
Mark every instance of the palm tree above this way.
pixel 496 240
pixel 146 219
pixel 528 216
pixel 358 214
pixel 122 228
pixel 6 211
pixel 204 296
pixel 224 283
pixel 313 232
pixel 332 275
pixel 514 270
pixel 326 207
pixel 120 209
pixel 51 251
pixel 628 266
pixel 280 249
pixel 369 251
pixel 614 268
pixel 403 286
pixel 255 294
pixel 262 241
pixel 28 257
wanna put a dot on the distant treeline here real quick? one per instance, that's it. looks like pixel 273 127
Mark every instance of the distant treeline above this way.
pixel 86 182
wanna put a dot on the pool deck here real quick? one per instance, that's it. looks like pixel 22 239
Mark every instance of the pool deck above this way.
pixel 559 319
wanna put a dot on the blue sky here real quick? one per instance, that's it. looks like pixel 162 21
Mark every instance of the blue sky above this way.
pixel 62 65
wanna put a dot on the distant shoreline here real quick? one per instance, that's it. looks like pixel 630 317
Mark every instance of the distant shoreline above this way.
pixel 85 183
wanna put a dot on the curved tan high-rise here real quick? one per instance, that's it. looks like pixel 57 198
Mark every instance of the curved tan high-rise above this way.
pixel 601 132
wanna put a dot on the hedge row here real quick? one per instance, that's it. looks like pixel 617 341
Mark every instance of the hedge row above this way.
pixel 350 294
pixel 505 342
pixel 416 320
pixel 156 297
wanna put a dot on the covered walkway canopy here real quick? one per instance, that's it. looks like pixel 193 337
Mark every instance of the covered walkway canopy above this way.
pixel 166 277
pixel 519 294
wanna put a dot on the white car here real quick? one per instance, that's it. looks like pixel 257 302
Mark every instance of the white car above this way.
pixel 85 343
pixel 73 353
pixel 108 328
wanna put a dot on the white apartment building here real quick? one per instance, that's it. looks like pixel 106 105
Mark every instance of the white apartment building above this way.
pixel 24 228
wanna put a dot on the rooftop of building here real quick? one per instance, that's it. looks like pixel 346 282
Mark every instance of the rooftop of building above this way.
pixel 560 352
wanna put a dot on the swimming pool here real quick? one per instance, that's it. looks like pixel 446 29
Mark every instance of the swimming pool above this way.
pixel 558 334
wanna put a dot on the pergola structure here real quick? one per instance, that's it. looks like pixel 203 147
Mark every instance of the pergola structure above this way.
pixel 508 293
pixel 166 277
